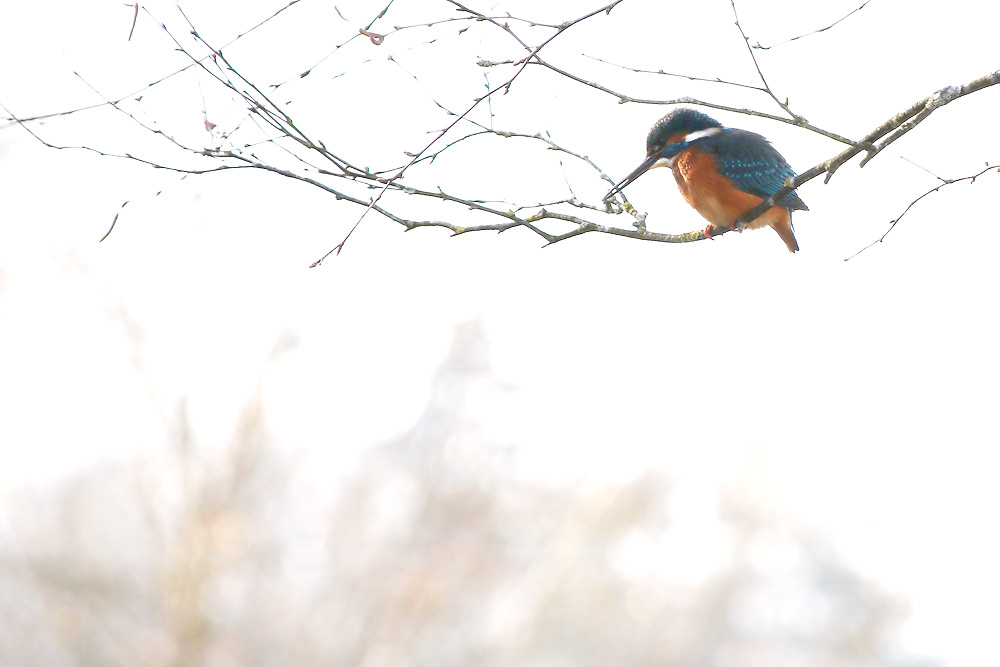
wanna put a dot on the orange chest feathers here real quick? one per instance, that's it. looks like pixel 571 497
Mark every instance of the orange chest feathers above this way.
pixel 710 193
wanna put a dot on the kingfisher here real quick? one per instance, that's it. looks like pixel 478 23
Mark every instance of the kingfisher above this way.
pixel 722 172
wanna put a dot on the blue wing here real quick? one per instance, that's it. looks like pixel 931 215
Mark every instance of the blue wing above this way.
pixel 753 165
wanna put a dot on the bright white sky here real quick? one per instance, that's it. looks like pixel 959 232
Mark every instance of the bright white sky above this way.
pixel 867 387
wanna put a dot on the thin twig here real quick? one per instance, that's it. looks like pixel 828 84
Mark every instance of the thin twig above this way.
pixel 113 222
pixel 273 118
pixel 895 127
pixel 135 17
pixel 689 77
pixel 893 223
pixel 623 98
pixel 923 168
pixel 504 86
pixel 89 107
pixel 813 32
pixel 753 57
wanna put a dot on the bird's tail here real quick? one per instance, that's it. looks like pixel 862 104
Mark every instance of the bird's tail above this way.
pixel 786 232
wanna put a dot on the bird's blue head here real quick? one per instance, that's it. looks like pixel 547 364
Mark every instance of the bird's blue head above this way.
pixel 677 127
pixel 668 137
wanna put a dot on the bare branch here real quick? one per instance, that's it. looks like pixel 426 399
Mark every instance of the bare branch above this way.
pixel 753 57
pixel 505 87
pixel 140 91
pixel 135 17
pixel 623 98
pixel 893 223
pixel 897 125
pixel 689 77
pixel 279 131
pixel 113 222
pixel 814 32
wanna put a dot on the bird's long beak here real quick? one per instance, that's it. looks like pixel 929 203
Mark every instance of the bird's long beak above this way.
pixel 646 165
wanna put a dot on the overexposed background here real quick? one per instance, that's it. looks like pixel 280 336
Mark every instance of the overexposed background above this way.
pixel 476 450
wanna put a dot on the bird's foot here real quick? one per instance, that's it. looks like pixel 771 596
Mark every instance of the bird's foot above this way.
pixel 708 232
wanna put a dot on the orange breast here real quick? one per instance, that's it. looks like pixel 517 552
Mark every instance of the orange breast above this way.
pixel 709 192
pixel 719 201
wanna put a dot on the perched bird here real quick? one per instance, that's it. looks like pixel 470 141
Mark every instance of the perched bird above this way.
pixel 721 171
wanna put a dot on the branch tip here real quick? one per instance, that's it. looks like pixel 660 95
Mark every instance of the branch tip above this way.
pixel 375 38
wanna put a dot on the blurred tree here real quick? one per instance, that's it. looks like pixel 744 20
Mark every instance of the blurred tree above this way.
pixel 433 551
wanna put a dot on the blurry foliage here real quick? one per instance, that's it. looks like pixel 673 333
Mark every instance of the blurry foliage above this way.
pixel 433 551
